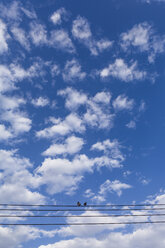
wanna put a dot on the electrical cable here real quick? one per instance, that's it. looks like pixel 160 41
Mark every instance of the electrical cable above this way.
pixel 82 224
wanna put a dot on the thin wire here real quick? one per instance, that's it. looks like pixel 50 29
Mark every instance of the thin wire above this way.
pixel 81 216
pixel 95 205
pixel 80 210
pixel 83 224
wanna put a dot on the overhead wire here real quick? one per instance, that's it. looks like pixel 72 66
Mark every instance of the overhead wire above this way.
pixel 89 205
pixel 81 224
pixel 81 216
pixel 81 210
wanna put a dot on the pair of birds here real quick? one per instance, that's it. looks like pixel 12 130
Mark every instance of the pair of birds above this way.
pixel 79 204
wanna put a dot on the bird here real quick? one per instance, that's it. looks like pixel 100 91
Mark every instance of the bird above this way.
pixel 85 204
pixel 78 204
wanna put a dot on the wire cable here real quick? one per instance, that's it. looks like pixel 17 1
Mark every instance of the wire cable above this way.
pixel 81 210
pixel 81 216
pixel 82 224
pixel 94 205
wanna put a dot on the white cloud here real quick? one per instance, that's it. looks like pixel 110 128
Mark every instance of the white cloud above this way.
pixel 98 111
pixel 72 123
pixel 40 102
pixel 150 1
pixel 82 32
pixel 73 98
pixel 143 37
pixel 10 103
pixel 21 36
pixel 113 186
pixel 72 71
pixel 60 40
pixel 68 174
pixel 112 150
pixel 4 133
pixel 4 37
pixel 18 120
pixel 131 124
pixel 11 11
pixel 138 36
pixel 16 180
pixel 120 70
pixel 71 145
pixel 144 237
pixel 123 103
pixel 10 114
pixel 58 16
pixel 107 187
pixel 142 106
pixel 38 34
pixel 81 29
pixel 55 70
pixel 13 237
pixel 102 97
pixel 10 75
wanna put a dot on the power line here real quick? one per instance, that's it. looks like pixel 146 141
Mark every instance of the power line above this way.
pixel 82 224
pixel 82 210
pixel 81 216
pixel 94 205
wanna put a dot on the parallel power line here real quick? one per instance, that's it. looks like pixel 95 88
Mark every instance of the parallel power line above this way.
pixel 89 205
pixel 114 208
pixel 80 209
pixel 82 224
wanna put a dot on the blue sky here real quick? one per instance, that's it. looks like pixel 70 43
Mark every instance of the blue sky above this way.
pixel 82 114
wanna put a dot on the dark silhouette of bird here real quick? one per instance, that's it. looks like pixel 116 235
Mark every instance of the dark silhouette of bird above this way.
pixel 85 204
pixel 78 204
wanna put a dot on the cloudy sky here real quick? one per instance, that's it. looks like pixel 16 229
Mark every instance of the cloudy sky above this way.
pixel 82 114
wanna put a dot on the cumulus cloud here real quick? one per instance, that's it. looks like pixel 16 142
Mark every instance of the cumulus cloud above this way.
pixel 120 70
pixel 73 98
pixel 18 120
pixel 4 37
pixel 107 187
pixel 68 174
pixel 38 33
pixel 16 180
pixel 40 102
pixel 113 186
pixel 14 237
pixel 144 38
pixel 72 123
pixel 11 11
pixel 98 111
pixel 4 133
pixel 82 32
pixel 143 237
pixel 96 108
pixel 123 103
pixel 72 71
pixel 71 145
pixel 112 149
pixel 131 124
pixel 10 113
pixel 60 40
pixel 14 11
pixel 138 36
pixel 21 36
pixel 14 73
pixel 58 16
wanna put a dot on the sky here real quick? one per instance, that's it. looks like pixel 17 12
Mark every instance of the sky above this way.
pixel 82 115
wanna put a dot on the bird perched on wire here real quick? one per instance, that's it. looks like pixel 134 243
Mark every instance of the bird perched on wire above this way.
pixel 85 204
pixel 78 204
